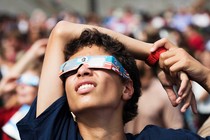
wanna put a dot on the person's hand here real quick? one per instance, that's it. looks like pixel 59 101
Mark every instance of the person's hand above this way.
pixel 8 84
pixel 38 48
pixel 178 88
pixel 177 59
pixel 164 42
pixel 176 78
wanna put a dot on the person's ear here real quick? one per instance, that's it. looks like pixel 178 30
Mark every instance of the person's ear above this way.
pixel 128 90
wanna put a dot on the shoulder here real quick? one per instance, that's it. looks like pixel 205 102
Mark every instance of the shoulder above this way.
pixel 55 118
pixel 152 132
pixel 57 106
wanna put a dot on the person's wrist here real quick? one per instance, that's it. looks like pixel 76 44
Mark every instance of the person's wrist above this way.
pixel 31 54
pixel 207 81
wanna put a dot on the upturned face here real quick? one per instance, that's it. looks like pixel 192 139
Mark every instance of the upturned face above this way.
pixel 94 88
pixel 26 92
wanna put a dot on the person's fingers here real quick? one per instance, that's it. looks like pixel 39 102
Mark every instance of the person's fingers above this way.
pixel 194 105
pixel 176 66
pixel 185 85
pixel 185 106
pixel 7 87
pixel 171 95
pixel 168 61
pixel 167 85
pixel 186 102
pixel 39 47
pixel 10 87
pixel 41 42
pixel 171 56
pixel 162 43
pixel 189 100
pixel 8 79
pixel 168 54
pixel 12 79
pixel 184 93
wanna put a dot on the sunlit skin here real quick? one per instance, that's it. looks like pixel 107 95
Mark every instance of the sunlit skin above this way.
pixel 26 93
pixel 102 100
pixel 105 90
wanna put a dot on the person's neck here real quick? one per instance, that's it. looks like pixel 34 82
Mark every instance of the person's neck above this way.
pixel 103 125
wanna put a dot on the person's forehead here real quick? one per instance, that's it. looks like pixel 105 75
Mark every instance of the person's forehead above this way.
pixel 89 51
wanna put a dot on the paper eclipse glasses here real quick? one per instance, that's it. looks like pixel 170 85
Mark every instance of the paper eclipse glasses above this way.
pixel 102 62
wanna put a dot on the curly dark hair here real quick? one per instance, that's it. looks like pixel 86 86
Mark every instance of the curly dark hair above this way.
pixel 117 49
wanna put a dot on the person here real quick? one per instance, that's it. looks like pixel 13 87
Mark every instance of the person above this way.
pixel 101 85
pixel 154 106
pixel 8 83
pixel 25 91
pixel 12 46
pixel 198 72
pixel 201 95
pixel 23 83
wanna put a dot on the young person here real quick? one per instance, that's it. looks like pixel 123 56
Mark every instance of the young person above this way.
pixel 22 81
pixel 101 85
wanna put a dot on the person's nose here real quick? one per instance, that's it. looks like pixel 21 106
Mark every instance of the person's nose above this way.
pixel 21 86
pixel 84 71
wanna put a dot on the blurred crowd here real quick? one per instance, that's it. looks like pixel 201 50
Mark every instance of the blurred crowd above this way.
pixel 23 39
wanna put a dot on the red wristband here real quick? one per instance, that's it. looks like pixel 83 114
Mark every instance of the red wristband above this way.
pixel 153 58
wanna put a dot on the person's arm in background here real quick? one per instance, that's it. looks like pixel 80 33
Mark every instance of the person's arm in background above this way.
pixel 8 82
pixel 64 32
pixel 33 53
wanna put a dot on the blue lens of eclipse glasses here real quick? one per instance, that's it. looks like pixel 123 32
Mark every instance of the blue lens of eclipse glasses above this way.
pixel 29 79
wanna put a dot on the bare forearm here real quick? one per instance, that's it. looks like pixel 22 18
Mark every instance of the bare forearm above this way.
pixel 22 64
pixel 51 90
pixel 206 82
pixel 139 49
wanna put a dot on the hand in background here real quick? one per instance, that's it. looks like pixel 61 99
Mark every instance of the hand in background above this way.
pixel 174 77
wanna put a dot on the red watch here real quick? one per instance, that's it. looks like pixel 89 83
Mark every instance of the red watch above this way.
pixel 153 58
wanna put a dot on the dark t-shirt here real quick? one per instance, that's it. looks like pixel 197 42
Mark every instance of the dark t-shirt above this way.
pixel 56 123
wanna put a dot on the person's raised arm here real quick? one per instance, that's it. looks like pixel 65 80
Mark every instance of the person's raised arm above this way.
pixel 36 50
pixel 50 88
pixel 8 83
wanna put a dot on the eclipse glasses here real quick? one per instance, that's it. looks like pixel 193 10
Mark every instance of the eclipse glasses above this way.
pixel 70 67
pixel 29 79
